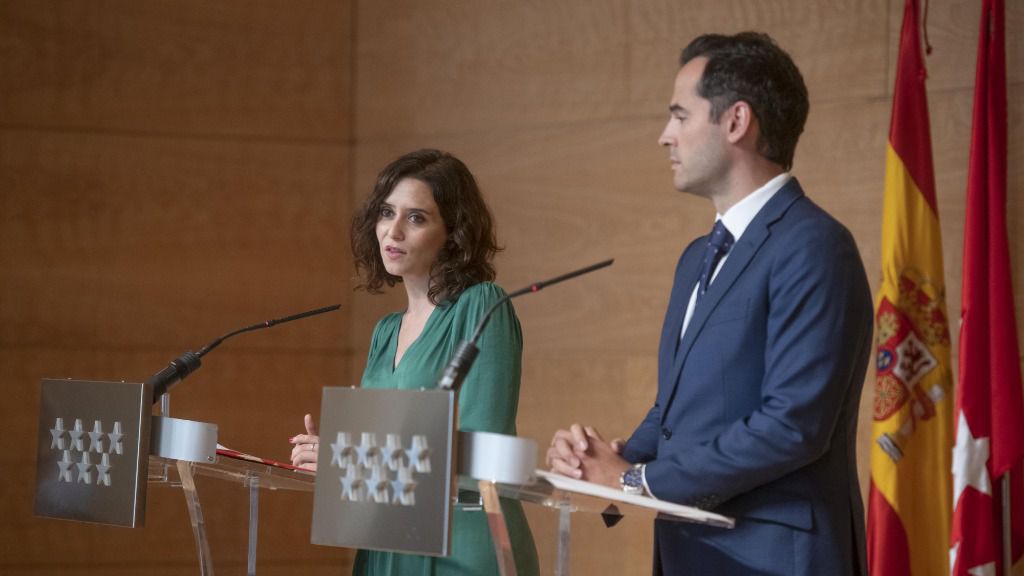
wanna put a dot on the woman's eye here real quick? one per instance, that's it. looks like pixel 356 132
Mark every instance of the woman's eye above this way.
pixel 386 212
pixel 417 219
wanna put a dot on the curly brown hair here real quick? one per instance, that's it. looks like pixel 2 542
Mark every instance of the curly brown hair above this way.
pixel 466 257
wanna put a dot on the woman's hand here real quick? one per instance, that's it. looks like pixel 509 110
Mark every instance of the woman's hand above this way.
pixel 305 446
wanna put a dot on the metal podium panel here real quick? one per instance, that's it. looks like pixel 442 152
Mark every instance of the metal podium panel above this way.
pixel 385 479
pixel 93 443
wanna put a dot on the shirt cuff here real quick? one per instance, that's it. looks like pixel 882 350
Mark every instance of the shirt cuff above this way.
pixel 643 476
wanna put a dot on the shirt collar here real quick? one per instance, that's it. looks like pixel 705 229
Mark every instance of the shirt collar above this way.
pixel 740 215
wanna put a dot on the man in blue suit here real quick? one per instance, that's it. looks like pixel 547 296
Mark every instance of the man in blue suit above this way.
pixel 765 343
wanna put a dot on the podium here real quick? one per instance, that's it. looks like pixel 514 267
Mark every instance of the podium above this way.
pixel 252 474
pixel 568 496
pixel 388 458
pixel 564 496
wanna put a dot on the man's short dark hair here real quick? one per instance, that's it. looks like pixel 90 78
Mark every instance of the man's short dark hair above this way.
pixel 750 67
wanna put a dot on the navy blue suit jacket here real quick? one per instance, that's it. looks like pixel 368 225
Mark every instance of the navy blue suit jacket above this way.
pixel 756 412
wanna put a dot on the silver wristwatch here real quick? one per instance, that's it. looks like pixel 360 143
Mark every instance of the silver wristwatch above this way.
pixel 632 480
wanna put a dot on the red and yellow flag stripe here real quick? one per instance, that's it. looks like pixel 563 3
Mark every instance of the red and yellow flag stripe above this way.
pixel 908 507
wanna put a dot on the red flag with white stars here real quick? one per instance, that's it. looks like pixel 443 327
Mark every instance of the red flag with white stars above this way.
pixel 989 415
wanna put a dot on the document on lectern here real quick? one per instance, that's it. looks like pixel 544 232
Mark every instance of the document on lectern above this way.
pixel 572 485
pixel 235 454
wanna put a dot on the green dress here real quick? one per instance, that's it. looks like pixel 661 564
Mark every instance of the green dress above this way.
pixel 487 402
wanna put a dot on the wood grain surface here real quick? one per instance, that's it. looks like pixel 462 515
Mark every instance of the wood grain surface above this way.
pixel 172 170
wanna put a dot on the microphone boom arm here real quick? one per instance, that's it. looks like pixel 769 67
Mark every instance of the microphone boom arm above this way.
pixel 189 362
pixel 462 360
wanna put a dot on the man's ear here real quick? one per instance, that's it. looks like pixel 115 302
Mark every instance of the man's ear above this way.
pixel 739 121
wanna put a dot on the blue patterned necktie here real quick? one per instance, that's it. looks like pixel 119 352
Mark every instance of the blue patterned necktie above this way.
pixel 718 246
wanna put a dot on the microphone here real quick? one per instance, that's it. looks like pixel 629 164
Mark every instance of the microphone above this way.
pixel 457 368
pixel 187 363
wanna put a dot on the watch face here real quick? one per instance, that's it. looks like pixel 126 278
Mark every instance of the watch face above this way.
pixel 632 480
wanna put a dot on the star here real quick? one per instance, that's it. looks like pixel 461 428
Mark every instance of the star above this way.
pixel 57 435
pixel 96 437
pixel 403 488
pixel 378 484
pixel 341 451
pixel 393 452
pixel 419 454
pixel 103 471
pixel 367 450
pixel 65 467
pixel 352 485
pixel 85 469
pixel 988 569
pixel 76 435
pixel 970 456
pixel 116 444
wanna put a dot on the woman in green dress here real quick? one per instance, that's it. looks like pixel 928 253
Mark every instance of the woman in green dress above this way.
pixel 427 227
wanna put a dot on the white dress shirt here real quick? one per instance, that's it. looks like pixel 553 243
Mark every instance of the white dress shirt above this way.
pixel 736 220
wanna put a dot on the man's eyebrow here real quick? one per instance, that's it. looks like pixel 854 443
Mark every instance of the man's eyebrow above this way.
pixel 676 108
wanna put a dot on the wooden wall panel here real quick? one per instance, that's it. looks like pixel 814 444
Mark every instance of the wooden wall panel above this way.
pixel 223 68
pixel 171 172
pixel 441 67
pixel 840 46
pixel 167 241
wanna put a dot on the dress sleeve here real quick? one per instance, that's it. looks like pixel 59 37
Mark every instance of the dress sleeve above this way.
pixel 489 397
pixel 377 355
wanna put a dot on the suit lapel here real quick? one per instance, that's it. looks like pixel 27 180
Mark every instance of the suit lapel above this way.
pixel 686 279
pixel 739 258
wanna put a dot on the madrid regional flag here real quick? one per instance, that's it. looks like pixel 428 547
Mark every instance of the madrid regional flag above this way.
pixel 989 406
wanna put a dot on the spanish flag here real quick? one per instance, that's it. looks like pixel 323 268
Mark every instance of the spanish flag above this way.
pixel 909 499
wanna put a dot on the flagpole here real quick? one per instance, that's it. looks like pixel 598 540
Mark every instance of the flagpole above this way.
pixel 1007 521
